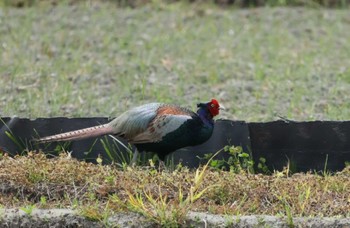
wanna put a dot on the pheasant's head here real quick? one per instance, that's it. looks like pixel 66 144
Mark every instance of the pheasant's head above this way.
pixel 212 107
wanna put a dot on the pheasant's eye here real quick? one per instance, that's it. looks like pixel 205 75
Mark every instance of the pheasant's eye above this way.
pixel 212 105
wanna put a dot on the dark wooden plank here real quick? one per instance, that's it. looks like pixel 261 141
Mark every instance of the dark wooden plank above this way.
pixel 305 144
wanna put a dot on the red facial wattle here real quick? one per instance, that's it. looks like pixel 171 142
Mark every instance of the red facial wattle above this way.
pixel 214 107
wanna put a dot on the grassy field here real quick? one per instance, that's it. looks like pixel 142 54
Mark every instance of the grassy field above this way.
pixel 99 60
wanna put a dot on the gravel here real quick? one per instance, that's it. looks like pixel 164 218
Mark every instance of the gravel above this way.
pixel 71 218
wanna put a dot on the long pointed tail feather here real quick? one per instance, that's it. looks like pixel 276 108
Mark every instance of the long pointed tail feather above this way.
pixel 79 134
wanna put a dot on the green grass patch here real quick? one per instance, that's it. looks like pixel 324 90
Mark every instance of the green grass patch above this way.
pixel 138 3
pixel 100 60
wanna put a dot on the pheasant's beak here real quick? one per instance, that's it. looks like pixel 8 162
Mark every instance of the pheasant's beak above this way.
pixel 222 107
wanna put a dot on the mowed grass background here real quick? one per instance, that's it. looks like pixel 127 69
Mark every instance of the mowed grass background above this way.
pixel 95 59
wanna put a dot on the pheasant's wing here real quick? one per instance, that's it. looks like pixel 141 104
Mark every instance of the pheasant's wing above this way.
pixel 167 120
pixel 150 122
pixel 134 121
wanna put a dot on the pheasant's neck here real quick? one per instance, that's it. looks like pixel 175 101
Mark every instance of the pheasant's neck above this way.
pixel 205 116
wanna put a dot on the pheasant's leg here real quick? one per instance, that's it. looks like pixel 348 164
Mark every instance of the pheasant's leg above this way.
pixel 134 158
pixel 161 166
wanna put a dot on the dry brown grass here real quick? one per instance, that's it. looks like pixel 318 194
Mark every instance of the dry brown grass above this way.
pixel 65 182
